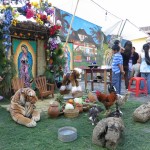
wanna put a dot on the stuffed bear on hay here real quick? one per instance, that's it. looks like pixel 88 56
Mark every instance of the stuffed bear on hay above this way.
pixel 22 107
pixel 142 113
pixel 70 83
pixel 108 132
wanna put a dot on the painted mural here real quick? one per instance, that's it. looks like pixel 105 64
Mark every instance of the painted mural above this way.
pixel 86 37
pixel 24 52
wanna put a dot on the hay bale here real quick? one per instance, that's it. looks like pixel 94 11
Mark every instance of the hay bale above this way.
pixel 142 113
pixel 108 132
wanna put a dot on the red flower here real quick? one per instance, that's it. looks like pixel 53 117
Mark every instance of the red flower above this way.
pixel 45 46
pixel 43 17
pixel 28 5
pixel 54 29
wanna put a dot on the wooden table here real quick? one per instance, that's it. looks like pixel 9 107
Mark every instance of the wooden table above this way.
pixel 97 70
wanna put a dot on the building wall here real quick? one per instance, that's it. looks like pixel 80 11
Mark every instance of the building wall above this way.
pixel 138 44
pixel 41 58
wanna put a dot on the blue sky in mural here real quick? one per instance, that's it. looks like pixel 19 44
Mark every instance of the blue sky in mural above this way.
pixel 79 23
pixel 83 24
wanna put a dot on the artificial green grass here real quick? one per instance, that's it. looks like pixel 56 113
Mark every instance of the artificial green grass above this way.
pixel 44 135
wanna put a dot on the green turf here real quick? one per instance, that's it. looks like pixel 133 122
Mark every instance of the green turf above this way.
pixel 44 136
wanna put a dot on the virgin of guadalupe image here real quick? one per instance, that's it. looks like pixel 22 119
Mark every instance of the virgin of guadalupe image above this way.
pixel 67 56
pixel 25 63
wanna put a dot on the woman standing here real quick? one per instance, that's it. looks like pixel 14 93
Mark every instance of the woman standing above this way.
pixel 145 65
pixel 126 54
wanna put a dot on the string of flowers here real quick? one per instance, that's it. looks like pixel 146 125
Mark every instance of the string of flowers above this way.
pixel 6 23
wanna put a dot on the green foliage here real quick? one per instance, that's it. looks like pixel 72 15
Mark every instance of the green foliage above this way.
pixel 55 71
pixel 7 71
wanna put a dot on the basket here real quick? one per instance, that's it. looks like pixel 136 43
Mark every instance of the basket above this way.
pixel 71 113
pixel 64 92
pixel 77 94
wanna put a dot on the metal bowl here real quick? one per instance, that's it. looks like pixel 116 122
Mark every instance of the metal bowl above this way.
pixel 67 134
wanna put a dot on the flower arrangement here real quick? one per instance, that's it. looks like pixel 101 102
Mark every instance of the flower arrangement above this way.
pixel 40 12
pixel 40 27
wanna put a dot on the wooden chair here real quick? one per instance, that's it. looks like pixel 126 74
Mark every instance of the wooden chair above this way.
pixel 45 89
pixel 17 83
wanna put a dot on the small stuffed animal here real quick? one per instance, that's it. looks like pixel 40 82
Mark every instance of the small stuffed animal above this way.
pixel 93 114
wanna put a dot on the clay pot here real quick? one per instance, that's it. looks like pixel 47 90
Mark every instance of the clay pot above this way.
pixel 79 107
pixel 53 110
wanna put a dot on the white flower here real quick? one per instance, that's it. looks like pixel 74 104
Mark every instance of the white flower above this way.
pixel 2 17
pixel 58 22
pixel 58 40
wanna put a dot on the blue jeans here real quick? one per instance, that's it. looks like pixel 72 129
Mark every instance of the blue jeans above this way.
pixel 116 81
pixel 147 77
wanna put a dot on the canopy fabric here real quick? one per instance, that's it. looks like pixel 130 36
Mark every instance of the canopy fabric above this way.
pixel 90 11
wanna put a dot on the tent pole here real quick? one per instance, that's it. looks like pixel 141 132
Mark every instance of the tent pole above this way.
pixel 123 27
pixel 71 24
pixel 120 27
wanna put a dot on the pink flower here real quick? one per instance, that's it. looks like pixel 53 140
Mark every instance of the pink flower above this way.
pixel 29 13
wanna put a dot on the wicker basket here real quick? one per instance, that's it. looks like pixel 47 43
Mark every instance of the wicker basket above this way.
pixel 71 113
pixel 77 94
pixel 64 92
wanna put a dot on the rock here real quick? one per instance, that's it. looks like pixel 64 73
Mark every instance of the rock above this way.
pixel 142 113
pixel 108 132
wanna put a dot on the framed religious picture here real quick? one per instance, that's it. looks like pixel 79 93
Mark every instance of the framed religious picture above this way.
pixel 24 54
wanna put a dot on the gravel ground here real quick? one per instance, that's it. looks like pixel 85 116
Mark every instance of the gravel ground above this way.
pixel 99 86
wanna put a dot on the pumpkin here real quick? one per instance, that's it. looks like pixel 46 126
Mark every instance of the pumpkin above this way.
pixel 71 101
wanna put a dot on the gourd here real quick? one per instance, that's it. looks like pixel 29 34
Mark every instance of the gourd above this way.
pixel 69 106
pixel 92 97
pixel 78 100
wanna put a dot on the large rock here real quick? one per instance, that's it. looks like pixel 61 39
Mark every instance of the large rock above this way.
pixel 108 132
pixel 142 113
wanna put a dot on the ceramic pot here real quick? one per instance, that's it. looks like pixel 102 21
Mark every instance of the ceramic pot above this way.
pixel 79 107
pixel 53 110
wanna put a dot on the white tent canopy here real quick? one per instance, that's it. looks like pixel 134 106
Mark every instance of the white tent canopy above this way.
pixel 94 12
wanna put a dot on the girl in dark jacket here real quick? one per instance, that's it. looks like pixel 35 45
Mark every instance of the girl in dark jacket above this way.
pixel 126 54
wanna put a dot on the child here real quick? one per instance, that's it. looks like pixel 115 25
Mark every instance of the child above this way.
pixel 136 70
pixel 117 67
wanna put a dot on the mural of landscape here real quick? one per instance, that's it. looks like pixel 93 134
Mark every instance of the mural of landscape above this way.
pixel 88 40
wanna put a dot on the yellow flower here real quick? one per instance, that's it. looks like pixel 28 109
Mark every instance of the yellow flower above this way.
pixel 2 7
pixel 39 21
pixel 35 4
pixel 14 22
pixel 48 17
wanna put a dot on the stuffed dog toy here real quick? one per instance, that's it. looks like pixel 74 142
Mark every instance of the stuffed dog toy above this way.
pixel 70 81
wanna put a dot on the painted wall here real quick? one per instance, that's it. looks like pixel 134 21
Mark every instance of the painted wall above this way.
pixel 138 44
pixel 41 58
pixel 87 39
